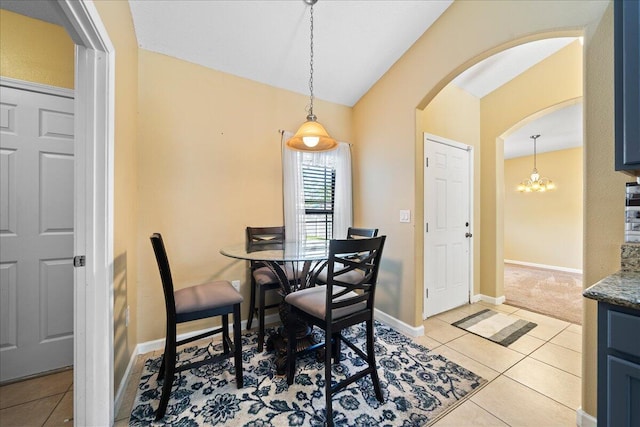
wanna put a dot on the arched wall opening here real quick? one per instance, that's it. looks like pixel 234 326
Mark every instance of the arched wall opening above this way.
pixel 543 231
pixel 480 122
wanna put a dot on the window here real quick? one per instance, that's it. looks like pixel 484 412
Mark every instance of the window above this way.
pixel 316 192
pixel 319 183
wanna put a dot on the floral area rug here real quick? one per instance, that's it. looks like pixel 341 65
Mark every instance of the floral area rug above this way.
pixel 418 385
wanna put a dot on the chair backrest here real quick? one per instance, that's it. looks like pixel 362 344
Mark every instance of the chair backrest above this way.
pixel 359 233
pixel 345 257
pixel 165 274
pixel 265 238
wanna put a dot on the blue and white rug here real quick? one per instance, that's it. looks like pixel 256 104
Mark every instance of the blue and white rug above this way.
pixel 418 385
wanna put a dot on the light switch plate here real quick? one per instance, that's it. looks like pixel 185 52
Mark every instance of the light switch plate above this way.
pixel 405 215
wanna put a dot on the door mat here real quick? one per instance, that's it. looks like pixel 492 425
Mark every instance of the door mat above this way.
pixel 497 327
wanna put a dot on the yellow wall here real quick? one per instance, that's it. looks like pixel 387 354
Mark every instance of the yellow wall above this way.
pixel 117 19
pixel 35 51
pixel 389 141
pixel 455 114
pixel 209 165
pixel 545 228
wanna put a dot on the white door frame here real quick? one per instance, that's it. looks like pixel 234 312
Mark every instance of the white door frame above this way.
pixel 93 222
pixel 469 149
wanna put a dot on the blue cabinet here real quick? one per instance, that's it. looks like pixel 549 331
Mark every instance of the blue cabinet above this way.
pixel 618 366
pixel 627 85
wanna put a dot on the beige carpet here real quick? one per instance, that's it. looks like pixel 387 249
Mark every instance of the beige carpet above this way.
pixel 551 292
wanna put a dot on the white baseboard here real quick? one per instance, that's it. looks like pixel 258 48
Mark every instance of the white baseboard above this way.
pixel 547 267
pixel 489 300
pixel 405 328
pixel 122 387
pixel 585 420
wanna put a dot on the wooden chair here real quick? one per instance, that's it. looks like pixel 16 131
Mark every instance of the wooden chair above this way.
pixel 338 305
pixel 218 298
pixel 262 277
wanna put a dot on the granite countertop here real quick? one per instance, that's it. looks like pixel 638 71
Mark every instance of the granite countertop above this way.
pixel 621 288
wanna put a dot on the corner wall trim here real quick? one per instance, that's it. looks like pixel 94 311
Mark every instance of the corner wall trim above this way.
pixel 585 420
pixel 489 300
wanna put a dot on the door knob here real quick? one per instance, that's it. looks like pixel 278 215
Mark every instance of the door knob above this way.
pixel 468 234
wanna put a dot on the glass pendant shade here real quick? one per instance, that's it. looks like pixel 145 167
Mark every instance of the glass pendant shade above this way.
pixel 312 136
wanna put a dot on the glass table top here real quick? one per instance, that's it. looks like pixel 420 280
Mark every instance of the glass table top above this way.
pixel 309 250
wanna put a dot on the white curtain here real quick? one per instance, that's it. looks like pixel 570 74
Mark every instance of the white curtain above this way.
pixel 293 187
pixel 343 209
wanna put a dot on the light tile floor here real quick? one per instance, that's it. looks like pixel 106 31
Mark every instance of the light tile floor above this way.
pixel 533 382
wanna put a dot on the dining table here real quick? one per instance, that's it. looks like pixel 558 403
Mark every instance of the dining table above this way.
pixel 308 258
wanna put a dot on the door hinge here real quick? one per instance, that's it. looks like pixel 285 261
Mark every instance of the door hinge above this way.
pixel 426 293
pixel 79 261
pixel 426 227
pixel 426 162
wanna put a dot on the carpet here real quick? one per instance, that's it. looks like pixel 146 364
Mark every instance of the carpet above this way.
pixel 550 292
pixel 418 385
pixel 494 326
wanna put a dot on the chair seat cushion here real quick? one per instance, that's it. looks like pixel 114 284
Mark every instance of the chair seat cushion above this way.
pixel 264 275
pixel 313 301
pixel 206 296
pixel 353 276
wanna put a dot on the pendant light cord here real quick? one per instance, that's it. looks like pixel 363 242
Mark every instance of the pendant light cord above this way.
pixel 535 137
pixel 311 66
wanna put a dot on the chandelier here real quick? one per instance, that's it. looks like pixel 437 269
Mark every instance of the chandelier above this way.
pixel 311 136
pixel 535 183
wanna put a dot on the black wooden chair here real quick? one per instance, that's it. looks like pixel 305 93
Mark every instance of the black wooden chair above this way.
pixel 352 233
pixel 338 305
pixel 262 277
pixel 218 298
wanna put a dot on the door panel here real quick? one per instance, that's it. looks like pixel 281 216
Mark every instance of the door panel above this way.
pixel 36 232
pixel 447 225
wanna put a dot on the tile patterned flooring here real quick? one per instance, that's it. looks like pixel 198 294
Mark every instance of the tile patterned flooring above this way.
pixel 533 382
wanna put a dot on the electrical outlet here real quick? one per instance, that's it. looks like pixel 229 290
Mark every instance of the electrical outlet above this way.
pixel 236 284
pixel 126 317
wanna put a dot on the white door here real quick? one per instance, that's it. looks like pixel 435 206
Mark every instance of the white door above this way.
pixel 447 242
pixel 36 232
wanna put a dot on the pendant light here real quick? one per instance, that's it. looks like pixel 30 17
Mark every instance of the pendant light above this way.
pixel 311 136
pixel 535 183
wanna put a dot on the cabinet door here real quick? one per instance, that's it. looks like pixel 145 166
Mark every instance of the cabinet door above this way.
pixel 627 85
pixel 623 392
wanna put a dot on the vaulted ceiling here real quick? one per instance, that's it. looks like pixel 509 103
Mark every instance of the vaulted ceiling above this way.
pixel 355 43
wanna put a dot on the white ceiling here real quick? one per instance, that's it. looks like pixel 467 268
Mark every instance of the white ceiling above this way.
pixel 558 130
pixel 355 43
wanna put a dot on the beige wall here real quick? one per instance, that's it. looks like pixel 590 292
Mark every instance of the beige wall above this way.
pixel 455 114
pixel 389 140
pixel 35 51
pixel 209 165
pixel 545 228
pixel 117 19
